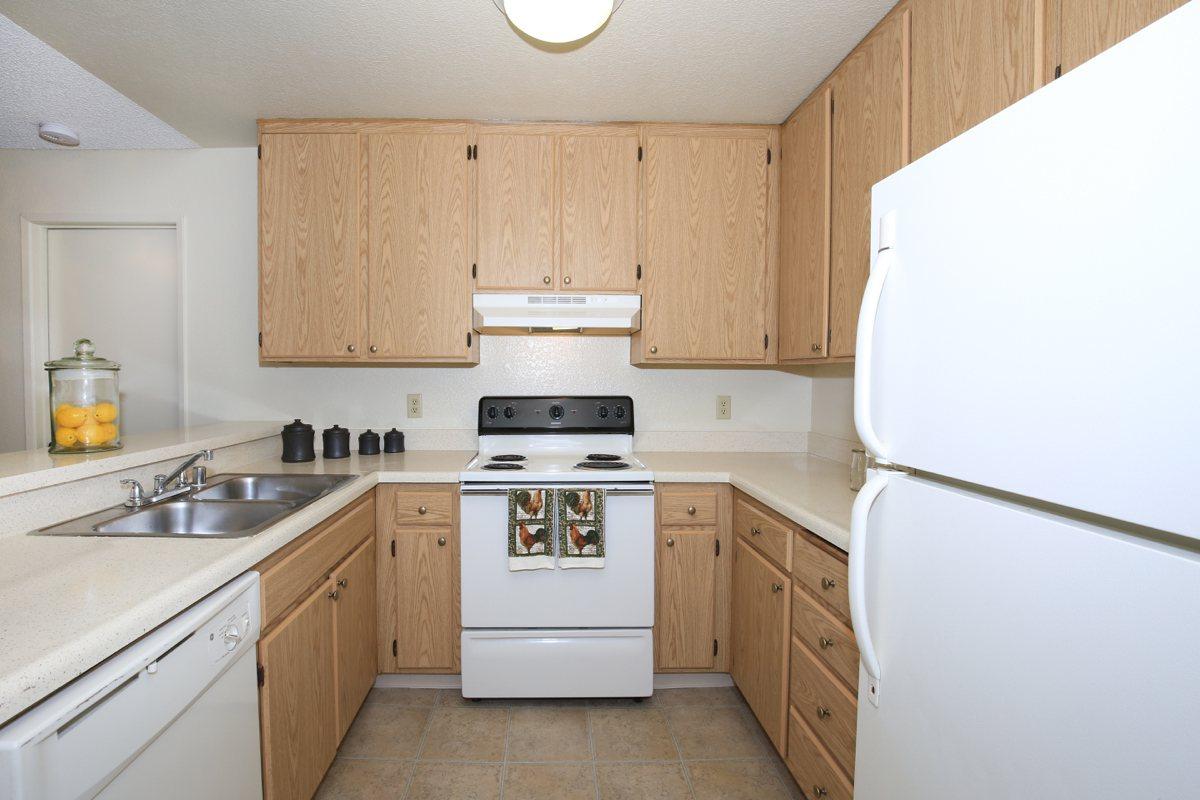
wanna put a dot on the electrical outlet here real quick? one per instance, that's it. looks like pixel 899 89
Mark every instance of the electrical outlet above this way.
pixel 414 405
pixel 724 407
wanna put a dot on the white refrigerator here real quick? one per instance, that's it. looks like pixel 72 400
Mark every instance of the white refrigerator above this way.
pixel 1025 563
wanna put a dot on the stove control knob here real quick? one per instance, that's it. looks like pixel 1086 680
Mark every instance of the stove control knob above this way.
pixel 602 412
pixel 509 412
pixel 556 411
pixel 492 412
pixel 620 412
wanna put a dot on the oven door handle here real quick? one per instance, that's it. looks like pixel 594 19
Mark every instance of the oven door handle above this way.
pixel 486 491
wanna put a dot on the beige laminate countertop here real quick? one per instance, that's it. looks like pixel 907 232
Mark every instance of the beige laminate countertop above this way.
pixel 70 602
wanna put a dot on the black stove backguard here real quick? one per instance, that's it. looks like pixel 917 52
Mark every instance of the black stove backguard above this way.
pixel 559 414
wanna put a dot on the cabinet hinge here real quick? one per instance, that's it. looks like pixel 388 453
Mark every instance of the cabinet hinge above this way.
pixel 717 548
pixel 768 155
pixel 474 270
pixel 715 648
pixel 831 102
pixel 395 649
pixel 393 548
pixel 639 152
pixel 639 272
pixel 262 675
pixel 474 152
pixel 260 150
pixel 828 338
pixel 468 152
pixel 260 340
pixel 766 341
pixel 468 338
pixel 1058 71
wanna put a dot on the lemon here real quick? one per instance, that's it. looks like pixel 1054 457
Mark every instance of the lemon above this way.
pixel 66 437
pixel 108 431
pixel 69 416
pixel 105 412
pixel 90 433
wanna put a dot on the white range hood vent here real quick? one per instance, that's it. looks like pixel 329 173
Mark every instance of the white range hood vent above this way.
pixel 612 314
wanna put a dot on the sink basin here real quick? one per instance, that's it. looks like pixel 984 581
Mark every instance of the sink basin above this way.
pixel 198 518
pixel 289 488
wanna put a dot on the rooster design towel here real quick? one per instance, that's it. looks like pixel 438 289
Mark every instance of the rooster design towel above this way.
pixel 530 543
pixel 580 528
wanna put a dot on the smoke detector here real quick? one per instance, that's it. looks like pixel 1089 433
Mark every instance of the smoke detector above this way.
pixel 54 133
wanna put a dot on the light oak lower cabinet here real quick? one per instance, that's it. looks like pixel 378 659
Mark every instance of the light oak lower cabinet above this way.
pixel 316 656
pixel 418 578
pixel 761 622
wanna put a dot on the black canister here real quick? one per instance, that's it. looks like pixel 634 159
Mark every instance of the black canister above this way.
pixel 368 443
pixel 297 443
pixel 336 441
pixel 393 441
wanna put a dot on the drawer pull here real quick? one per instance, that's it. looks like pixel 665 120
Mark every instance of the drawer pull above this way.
pixel 819 791
pixel 776 587
pixel 334 594
pixel 755 531
pixel 828 583
pixel 692 510
pixel 670 542
pixel 342 582
pixel 441 541
pixel 422 510
pixel 823 712
pixel 825 642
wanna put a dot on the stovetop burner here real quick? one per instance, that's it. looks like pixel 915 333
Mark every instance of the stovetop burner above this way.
pixel 592 464
pixel 503 465
pixel 603 457
pixel 510 457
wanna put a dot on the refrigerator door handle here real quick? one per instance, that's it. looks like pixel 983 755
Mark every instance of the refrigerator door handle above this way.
pixel 859 514
pixel 865 342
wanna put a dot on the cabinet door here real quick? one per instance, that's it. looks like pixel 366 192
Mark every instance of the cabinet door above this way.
pixel 761 616
pixel 970 59
pixel 418 242
pixel 426 627
pixel 869 136
pixel 308 246
pixel 298 698
pixel 804 231
pixel 354 582
pixel 704 284
pixel 515 212
pixel 685 611
pixel 1087 27
pixel 598 213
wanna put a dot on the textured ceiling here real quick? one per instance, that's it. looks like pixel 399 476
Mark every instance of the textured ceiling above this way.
pixel 211 68
pixel 38 84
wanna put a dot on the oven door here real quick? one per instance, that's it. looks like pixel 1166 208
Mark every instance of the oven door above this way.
pixel 619 595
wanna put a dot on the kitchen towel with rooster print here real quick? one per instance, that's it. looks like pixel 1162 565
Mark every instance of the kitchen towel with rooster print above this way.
pixel 530 523
pixel 580 528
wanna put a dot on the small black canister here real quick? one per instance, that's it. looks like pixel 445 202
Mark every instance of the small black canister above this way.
pixel 368 443
pixel 297 443
pixel 393 441
pixel 336 441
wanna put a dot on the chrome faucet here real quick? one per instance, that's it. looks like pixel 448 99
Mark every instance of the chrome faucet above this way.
pixel 163 488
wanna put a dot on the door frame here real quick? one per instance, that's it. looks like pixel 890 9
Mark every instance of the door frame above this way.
pixel 35 229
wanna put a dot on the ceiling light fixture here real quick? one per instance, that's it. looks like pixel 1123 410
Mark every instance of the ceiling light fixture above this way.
pixel 55 133
pixel 558 21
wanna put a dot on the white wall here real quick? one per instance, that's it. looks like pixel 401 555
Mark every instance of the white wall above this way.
pixel 212 193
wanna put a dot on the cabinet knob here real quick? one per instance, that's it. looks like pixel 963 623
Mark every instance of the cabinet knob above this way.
pixel 692 510
pixel 816 348
pixel 546 280
pixel 825 642
pixel 828 583
pixel 823 712
pixel 567 280
pixel 819 791
pixel 373 349
pixel 441 541
pixel 653 349
pixel 422 510
pixel 342 582
pixel 350 348
pixel 776 587
pixel 755 531
pixel 670 542
pixel 334 594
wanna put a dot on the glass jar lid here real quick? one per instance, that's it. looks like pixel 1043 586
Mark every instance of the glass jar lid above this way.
pixel 85 358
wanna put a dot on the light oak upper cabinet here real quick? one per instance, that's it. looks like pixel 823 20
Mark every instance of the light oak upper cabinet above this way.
pixel 709 251
pixel 1087 27
pixel 970 59
pixel 418 244
pixel 870 142
pixel 804 231
pixel 515 208
pixel 308 246
pixel 598 212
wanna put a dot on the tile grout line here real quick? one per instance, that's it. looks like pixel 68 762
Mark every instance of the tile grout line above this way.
pixel 504 760
pixel 591 737
pixel 412 773
pixel 683 767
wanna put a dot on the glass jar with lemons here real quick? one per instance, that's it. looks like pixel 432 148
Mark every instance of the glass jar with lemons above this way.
pixel 85 406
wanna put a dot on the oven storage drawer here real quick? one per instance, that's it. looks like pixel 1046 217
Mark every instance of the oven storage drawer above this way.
pixel 558 663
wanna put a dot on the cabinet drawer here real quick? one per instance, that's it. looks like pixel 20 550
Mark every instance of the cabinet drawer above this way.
pixel 424 507
pixel 823 574
pixel 812 766
pixel 825 704
pixel 687 506
pixel 826 636
pixel 771 538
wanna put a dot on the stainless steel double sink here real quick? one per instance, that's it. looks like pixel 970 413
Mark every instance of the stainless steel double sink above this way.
pixel 232 507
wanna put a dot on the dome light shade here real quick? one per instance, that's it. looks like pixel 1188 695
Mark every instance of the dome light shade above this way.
pixel 558 21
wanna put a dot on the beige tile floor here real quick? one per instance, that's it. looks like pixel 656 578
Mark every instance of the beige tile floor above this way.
pixel 681 744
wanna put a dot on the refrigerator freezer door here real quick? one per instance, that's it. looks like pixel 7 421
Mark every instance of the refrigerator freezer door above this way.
pixel 1024 655
pixel 1038 331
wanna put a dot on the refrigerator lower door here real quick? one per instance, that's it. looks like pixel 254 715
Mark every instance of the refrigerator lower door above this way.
pixel 1023 654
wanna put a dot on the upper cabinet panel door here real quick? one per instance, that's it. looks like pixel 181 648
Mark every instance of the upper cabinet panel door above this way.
pixel 598 213
pixel 804 231
pixel 869 143
pixel 970 59
pixel 418 242
pixel 308 246
pixel 515 210
pixel 704 281
pixel 1087 27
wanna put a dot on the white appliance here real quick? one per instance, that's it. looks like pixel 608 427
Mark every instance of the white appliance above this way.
pixel 1025 563
pixel 173 715
pixel 557 632
pixel 524 313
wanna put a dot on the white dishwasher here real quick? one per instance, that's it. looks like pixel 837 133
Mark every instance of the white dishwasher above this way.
pixel 175 715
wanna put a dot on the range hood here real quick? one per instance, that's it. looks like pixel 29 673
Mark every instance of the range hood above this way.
pixel 523 313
